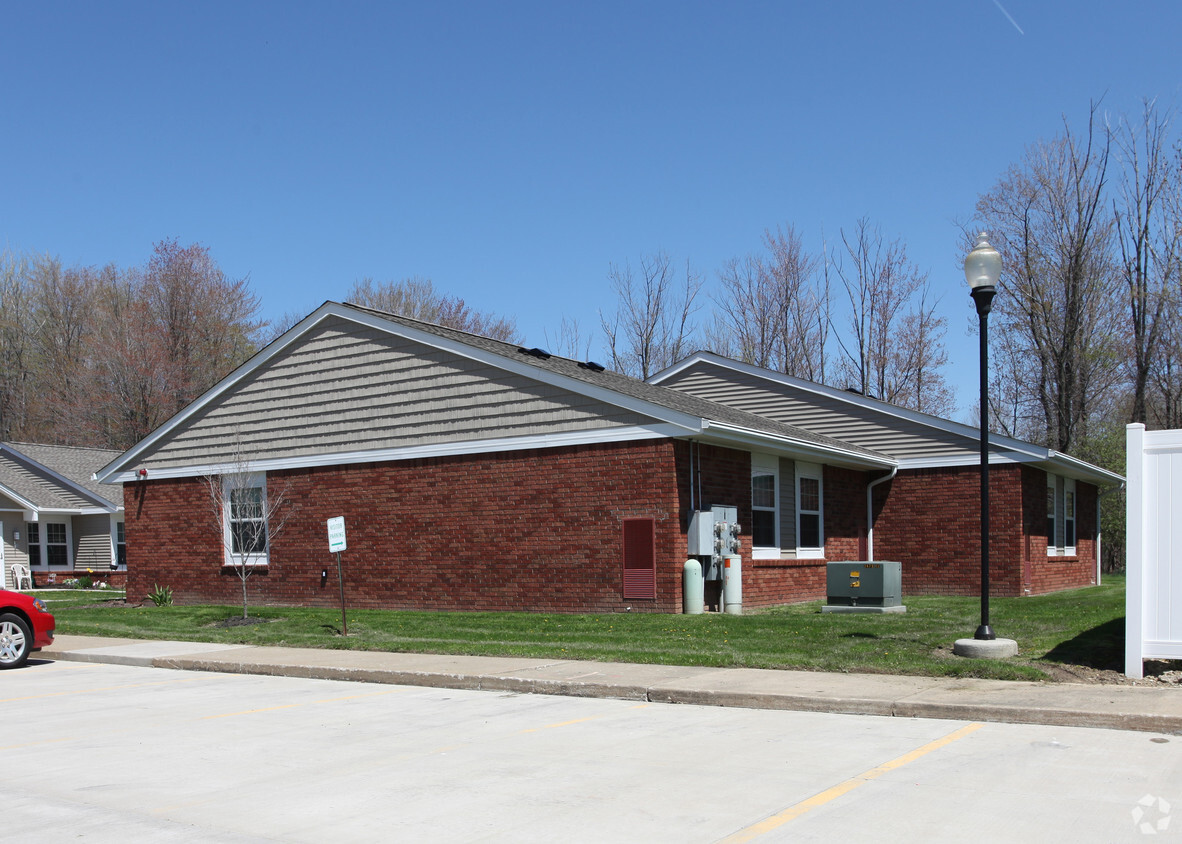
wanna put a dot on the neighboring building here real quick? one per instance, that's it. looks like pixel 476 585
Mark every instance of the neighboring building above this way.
pixel 1044 504
pixel 473 474
pixel 56 518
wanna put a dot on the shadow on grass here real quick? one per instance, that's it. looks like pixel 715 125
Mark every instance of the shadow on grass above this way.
pixel 1102 647
pixel 860 636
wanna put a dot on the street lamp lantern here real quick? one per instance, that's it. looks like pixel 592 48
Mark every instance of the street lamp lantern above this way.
pixel 982 266
pixel 982 269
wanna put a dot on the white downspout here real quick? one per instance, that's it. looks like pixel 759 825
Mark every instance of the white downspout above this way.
pixel 870 512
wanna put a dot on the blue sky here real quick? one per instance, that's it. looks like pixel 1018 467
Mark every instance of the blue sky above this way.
pixel 511 151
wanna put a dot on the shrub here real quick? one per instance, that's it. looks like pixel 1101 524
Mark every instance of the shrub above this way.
pixel 161 596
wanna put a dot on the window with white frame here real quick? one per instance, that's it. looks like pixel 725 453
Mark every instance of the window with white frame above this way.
pixel 245 515
pixel 765 506
pixel 1052 509
pixel 1069 516
pixel 120 546
pixel 810 533
pixel 49 545
pixel 1061 505
pixel 33 532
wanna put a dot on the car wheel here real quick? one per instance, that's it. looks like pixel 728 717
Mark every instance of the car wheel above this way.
pixel 16 641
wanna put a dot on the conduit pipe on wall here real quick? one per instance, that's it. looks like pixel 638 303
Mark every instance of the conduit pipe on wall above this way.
pixel 870 511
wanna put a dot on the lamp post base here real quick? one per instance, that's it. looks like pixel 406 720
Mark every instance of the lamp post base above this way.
pixel 985 648
pixel 984 632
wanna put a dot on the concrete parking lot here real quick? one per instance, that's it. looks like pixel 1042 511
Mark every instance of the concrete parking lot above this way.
pixel 103 752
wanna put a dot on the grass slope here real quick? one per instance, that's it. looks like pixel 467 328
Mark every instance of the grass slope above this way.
pixel 1080 627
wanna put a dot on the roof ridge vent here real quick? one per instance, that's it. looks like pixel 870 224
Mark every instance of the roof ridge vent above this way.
pixel 541 354
pixel 592 365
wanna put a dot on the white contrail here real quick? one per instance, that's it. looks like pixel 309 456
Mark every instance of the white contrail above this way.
pixel 1009 17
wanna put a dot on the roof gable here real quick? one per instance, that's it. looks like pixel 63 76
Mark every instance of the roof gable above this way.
pixel 350 384
pixel 56 478
pixel 912 438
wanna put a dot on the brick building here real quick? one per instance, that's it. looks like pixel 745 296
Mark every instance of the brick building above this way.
pixel 474 474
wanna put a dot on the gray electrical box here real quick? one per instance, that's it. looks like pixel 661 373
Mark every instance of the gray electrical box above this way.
pixel 713 535
pixel 864 587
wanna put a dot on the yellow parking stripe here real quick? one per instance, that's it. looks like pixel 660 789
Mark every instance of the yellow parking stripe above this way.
pixel 830 794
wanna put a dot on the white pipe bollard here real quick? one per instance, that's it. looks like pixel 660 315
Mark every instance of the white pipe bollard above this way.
pixel 692 588
pixel 732 585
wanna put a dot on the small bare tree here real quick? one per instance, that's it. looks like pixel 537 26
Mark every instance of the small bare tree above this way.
pixel 651 327
pixel 248 515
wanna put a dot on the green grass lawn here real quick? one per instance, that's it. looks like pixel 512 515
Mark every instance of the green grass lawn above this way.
pixel 1080 627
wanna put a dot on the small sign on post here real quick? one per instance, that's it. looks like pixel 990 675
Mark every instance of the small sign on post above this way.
pixel 337 544
pixel 336 535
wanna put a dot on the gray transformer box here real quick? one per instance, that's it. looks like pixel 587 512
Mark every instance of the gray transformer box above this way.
pixel 864 587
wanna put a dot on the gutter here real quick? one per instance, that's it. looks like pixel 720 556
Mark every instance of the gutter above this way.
pixel 870 511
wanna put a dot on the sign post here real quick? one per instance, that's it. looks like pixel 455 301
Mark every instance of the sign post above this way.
pixel 336 544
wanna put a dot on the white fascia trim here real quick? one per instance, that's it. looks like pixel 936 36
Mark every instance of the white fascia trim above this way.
pixel 735 435
pixel 1073 467
pixel 952 460
pixel 875 405
pixel 448 449
pixel 113 471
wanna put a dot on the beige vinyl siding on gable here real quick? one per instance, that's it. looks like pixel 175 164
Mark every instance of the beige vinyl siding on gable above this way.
pixel 92 542
pixel 346 387
pixel 899 437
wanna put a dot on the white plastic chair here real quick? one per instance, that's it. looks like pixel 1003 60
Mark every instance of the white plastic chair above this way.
pixel 21 574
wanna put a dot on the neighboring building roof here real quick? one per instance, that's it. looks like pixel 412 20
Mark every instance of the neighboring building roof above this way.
pixel 57 478
pixel 914 439
pixel 350 384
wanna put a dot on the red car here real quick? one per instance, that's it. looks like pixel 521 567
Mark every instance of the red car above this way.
pixel 25 626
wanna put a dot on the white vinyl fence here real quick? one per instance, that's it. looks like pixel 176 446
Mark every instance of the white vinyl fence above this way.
pixel 1153 600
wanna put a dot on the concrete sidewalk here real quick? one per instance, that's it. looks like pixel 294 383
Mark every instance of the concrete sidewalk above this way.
pixel 1144 708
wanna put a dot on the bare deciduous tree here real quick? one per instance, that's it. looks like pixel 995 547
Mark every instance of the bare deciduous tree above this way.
pixel 249 514
pixel 418 299
pixel 652 325
pixel 16 333
pixel 570 340
pixel 1149 233
pixel 1046 218
pixel 772 309
pixel 894 349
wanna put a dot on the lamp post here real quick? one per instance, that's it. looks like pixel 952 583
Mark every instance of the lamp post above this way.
pixel 982 268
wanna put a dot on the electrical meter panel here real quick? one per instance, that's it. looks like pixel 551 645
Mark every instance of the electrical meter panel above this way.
pixel 714 534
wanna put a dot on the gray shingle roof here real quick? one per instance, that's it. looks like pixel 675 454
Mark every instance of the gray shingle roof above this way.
pixel 666 397
pixel 23 470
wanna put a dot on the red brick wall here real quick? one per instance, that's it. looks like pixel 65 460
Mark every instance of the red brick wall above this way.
pixel 523 530
pixel 930 521
pixel 771 582
pixel 541 530
pixel 1055 573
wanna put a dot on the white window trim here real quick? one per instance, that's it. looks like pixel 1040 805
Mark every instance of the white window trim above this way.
pixel 1054 550
pixel 815 471
pixel 251 481
pixel 1069 488
pixel 115 522
pixel 766 464
pixel 43 544
pixel 1052 486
